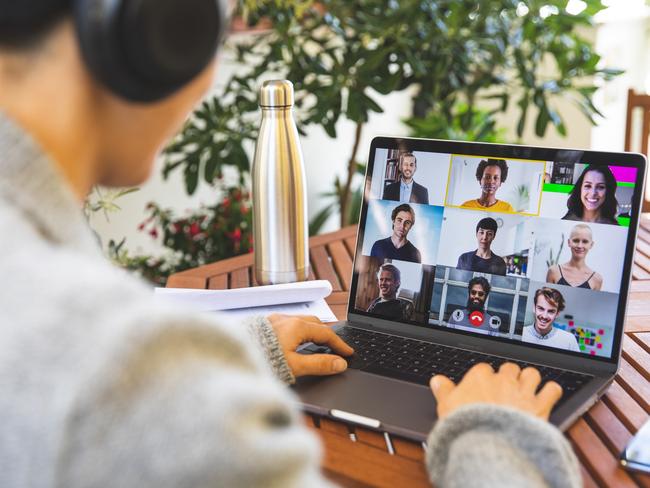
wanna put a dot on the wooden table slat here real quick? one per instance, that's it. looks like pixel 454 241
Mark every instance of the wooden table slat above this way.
pixel 408 449
pixel 218 282
pixel 639 273
pixel 637 356
pixel 240 278
pixel 587 480
pixel 625 407
pixel 322 266
pixel 362 462
pixel 342 263
pixel 370 437
pixel 643 338
pixel 635 384
pixel 608 427
pixel 595 456
pixel 351 245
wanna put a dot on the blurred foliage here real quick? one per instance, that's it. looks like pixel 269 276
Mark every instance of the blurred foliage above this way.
pixel 458 55
pixel 206 235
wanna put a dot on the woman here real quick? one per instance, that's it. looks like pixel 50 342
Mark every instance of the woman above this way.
pixel 593 198
pixel 575 272
pixel 102 387
pixel 490 174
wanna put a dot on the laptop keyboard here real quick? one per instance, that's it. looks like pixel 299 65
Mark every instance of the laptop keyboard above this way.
pixel 417 361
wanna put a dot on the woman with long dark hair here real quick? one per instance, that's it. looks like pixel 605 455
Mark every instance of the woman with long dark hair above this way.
pixel 593 198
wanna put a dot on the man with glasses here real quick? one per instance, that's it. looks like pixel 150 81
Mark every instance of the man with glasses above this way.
pixel 474 317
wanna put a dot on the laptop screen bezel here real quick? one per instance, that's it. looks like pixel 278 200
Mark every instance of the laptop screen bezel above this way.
pixel 505 151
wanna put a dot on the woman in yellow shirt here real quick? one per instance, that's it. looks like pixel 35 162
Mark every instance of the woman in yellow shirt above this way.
pixel 490 174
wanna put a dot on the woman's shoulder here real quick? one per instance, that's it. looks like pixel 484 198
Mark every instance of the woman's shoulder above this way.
pixel 471 204
pixel 503 206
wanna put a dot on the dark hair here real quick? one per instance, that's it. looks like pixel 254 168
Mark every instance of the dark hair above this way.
pixel 25 22
pixel 407 154
pixel 501 163
pixel 391 268
pixel 553 296
pixel 404 207
pixel 609 207
pixel 482 282
pixel 488 223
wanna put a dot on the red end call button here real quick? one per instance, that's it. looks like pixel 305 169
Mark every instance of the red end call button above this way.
pixel 476 319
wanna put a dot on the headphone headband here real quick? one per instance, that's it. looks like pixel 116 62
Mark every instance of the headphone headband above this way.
pixel 144 50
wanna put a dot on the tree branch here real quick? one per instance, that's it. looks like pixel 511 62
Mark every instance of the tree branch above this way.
pixel 344 196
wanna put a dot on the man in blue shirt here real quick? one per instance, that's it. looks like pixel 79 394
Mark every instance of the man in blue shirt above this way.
pixel 397 245
pixel 483 260
pixel 406 189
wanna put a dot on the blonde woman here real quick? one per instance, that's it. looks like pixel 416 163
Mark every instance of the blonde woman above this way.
pixel 575 272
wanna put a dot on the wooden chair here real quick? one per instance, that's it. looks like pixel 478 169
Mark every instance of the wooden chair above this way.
pixel 642 102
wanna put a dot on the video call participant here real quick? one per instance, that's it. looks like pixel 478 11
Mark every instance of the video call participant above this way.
pixel 474 317
pixel 397 246
pixel 575 272
pixel 406 189
pixel 490 174
pixel 549 302
pixel 483 260
pixel 387 304
pixel 593 198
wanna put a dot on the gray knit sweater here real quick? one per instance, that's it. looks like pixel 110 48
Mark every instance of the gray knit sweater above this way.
pixel 100 387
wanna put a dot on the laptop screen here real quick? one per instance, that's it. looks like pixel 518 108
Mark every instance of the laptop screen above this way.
pixel 465 238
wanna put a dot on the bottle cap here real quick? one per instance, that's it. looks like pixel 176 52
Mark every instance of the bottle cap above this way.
pixel 276 93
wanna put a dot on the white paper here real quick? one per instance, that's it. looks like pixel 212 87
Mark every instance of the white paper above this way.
pixel 319 308
pixel 305 297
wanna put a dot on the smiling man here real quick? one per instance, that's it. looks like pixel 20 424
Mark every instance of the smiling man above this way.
pixel 549 302
pixel 397 246
pixel 406 189
pixel 490 174
pixel 483 260
pixel 387 304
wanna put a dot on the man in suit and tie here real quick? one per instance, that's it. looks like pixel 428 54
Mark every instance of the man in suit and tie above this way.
pixel 406 189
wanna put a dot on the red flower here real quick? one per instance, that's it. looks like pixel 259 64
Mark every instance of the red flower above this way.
pixel 226 202
pixel 244 209
pixel 194 229
pixel 176 227
pixel 141 226
pixel 153 233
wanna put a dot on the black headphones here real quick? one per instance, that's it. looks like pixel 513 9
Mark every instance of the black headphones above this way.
pixel 144 50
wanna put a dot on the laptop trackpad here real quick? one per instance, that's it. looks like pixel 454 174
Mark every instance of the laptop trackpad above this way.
pixel 401 408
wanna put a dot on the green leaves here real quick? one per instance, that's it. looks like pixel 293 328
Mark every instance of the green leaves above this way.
pixel 458 57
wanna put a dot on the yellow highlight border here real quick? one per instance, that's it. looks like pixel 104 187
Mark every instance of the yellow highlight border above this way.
pixel 474 156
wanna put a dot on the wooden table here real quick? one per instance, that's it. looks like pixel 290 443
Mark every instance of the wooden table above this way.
pixel 359 457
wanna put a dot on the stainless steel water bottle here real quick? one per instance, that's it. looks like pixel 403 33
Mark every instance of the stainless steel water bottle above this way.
pixel 280 229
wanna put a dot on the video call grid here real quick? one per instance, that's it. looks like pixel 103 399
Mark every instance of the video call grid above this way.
pixel 552 308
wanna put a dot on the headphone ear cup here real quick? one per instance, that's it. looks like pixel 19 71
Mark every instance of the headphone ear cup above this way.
pixel 144 50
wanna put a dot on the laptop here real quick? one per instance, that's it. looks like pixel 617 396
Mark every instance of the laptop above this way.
pixel 475 252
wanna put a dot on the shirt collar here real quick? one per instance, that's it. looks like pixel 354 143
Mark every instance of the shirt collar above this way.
pixel 539 336
pixel 406 185
pixel 31 181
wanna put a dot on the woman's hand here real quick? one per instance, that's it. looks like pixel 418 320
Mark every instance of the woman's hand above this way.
pixel 292 331
pixel 510 387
